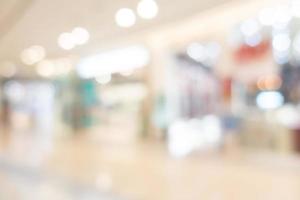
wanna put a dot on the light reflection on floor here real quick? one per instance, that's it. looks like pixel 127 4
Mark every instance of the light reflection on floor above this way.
pixel 24 174
pixel 29 183
pixel 94 166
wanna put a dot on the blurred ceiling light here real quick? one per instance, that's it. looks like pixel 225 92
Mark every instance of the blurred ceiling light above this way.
pixel 278 16
pixel 281 42
pixel 66 41
pixel 125 17
pixel 80 35
pixel 33 55
pixel 114 61
pixel 267 17
pixel 250 27
pixel 269 100
pixel 295 8
pixel 104 79
pixel 283 15
pixel 147 9
pixel 46 68
pixel 196 51
pixel 253 40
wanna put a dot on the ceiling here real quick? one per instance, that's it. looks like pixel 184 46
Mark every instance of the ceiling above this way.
pixel 39 22
pixel 10 13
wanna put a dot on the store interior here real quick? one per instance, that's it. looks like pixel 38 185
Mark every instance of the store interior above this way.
pixel 149 100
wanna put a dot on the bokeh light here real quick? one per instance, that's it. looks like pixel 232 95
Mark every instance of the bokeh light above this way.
pixel 33 55
pixel 147 9
pixel 80 35
pixel 125 17
pixel 66 41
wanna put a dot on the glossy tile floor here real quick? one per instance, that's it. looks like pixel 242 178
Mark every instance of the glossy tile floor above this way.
pixel 92 165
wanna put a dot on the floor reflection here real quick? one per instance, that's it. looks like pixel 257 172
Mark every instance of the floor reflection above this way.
pixel 92 166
